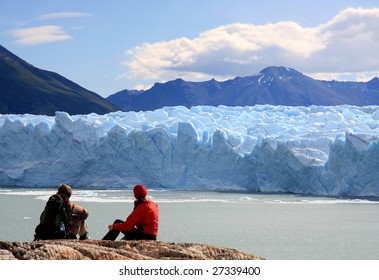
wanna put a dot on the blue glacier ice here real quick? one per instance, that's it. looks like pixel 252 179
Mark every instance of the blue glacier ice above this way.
pixel 306 150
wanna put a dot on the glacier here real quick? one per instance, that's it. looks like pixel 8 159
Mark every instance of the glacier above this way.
pixel 316 150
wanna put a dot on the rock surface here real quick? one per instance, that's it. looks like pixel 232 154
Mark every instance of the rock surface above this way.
pixel 116 250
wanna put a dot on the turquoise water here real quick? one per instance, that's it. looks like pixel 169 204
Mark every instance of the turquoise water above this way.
pixel 274 226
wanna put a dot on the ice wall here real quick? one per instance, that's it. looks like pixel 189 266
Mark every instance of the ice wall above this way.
pixel 310 150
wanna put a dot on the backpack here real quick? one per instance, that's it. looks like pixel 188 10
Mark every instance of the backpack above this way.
pixel 53 219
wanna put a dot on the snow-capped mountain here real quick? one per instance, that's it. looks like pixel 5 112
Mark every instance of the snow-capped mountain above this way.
pixel 272 85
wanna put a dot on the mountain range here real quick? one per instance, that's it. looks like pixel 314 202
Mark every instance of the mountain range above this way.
pixel 27 89
pixel 272 85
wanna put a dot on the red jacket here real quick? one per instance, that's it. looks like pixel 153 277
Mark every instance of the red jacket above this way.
pixel 144 217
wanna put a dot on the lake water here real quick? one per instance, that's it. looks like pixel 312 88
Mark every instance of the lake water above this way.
pixel 274 226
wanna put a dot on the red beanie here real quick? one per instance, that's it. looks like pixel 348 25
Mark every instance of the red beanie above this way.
pixel 139 191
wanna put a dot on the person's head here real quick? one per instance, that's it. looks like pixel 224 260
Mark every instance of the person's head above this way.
pixel 140 192
pixel 65 190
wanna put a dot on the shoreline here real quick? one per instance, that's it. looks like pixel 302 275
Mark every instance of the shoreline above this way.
pixel 222 191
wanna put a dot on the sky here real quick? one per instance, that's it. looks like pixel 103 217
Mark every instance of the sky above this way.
pixel 109 46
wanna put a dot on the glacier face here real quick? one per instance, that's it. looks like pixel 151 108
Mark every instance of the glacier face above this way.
pixel 308 150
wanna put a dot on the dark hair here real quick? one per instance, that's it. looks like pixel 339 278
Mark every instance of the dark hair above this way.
pixel 65 189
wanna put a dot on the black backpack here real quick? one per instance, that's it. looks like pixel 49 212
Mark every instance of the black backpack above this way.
pixel 53 220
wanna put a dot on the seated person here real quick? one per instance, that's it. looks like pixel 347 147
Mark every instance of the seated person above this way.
pixel 142 223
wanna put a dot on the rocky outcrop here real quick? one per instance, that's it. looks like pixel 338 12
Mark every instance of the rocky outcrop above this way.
pixel 116 250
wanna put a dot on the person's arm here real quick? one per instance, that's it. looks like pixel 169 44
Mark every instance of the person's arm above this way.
pixel 131 221
pixel 78 211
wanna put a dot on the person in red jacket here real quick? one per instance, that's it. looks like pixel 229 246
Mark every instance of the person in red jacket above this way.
pixel 142 223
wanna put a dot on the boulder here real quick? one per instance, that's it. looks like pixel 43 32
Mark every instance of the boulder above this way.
pixel 117 250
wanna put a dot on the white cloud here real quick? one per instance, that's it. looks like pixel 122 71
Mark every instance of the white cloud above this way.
pixel 345 76
pixel 46 33
pixel 40 35
pixel 347 43
pixel 352 44
pixel 222 51
pixel 142 87
pixel 62 15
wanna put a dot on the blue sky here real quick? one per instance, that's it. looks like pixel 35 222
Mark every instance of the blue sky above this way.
pixel 108 46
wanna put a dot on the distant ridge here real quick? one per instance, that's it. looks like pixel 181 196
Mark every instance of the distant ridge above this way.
pixel 27 89
pixel 272 85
